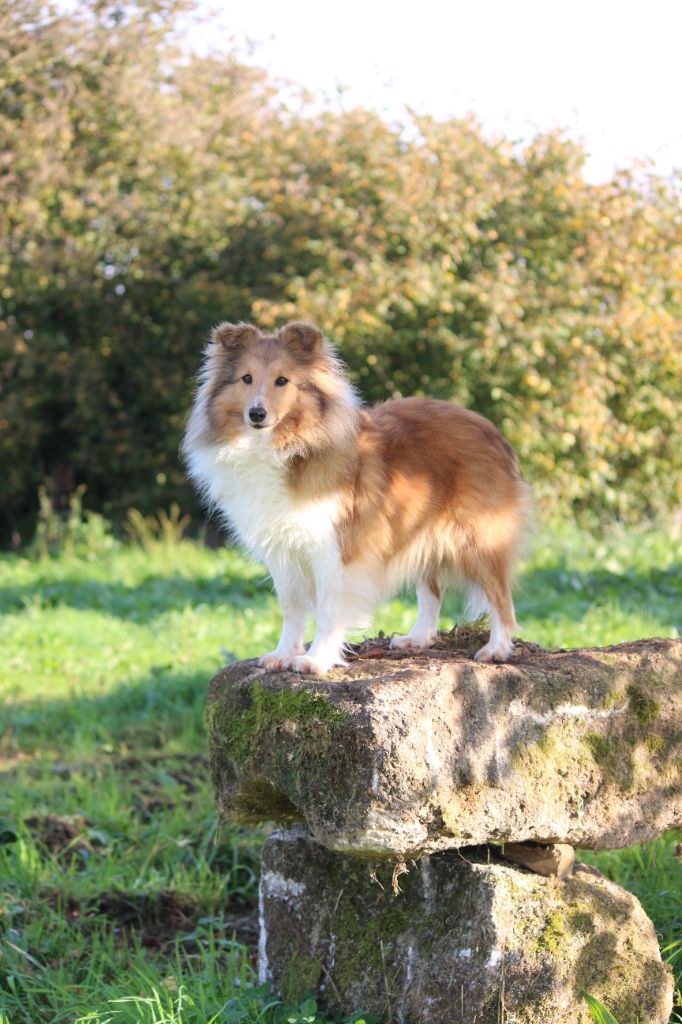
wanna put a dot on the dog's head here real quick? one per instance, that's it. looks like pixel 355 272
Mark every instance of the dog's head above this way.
pixel 269 390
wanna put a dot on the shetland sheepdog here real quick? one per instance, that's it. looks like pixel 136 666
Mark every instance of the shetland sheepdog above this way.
pixel 347 504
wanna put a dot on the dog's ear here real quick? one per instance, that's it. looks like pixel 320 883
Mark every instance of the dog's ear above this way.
pixel 232 336
pixel 301 336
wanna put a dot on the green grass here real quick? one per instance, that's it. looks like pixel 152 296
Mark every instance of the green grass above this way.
pixel 599 1013
pixel 119 899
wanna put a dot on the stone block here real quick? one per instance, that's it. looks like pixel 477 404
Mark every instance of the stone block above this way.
pixel 406 754
pixel 468 940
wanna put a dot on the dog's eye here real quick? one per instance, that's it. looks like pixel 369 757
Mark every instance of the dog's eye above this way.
pixel 247 378
pixel 280 382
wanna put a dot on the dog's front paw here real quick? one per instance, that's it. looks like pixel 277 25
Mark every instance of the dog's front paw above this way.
pixel 416 642
pixel 312 665
pixel 304 663
pixel 273 661
pixel 500 651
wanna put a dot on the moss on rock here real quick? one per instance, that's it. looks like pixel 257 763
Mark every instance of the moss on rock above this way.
pixel 239 726
pixel 302 976
pixel 553 935
pixel 642 706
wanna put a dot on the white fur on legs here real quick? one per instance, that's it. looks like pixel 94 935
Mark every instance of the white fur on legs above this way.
pixel 499 646
pixel 327 646
pixel 294 591
pixel 345 598
pixel 318 662
pixel 425 629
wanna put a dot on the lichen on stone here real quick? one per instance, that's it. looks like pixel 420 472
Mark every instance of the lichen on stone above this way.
pixel 407 755
pixel 469 940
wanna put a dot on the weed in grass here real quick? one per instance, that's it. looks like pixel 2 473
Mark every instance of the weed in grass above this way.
pixel 166 527
pixel 75 533
pixel 250 1006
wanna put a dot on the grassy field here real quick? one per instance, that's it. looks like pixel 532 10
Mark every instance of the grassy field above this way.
pixel 120 901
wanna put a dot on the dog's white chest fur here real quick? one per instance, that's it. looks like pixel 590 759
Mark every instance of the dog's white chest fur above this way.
pixel 250 489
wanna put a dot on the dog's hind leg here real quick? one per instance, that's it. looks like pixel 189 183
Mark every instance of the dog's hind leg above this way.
pixel 492 573
pixel 425 629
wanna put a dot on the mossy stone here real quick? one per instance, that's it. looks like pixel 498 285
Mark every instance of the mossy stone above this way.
pixel 467 940
pixel 408 754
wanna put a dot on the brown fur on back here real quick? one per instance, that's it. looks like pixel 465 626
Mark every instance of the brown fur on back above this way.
pixel 423 467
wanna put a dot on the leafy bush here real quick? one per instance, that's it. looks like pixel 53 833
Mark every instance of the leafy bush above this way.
pixel 147 194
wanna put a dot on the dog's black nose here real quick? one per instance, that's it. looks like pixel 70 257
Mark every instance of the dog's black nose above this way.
pixel 257 414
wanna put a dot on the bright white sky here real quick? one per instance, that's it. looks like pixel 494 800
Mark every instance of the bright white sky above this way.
pixel 607 71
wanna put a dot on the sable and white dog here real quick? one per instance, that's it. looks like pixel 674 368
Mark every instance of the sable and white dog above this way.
pixel 345 504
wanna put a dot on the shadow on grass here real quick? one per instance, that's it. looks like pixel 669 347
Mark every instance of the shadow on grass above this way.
pixel 558 592
pixel 660 584
pixel 155 595
pixel 156 920
pixel 146 715
pixel 555 589
pixel 571 594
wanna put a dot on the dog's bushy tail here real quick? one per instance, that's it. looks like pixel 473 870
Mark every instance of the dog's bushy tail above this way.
pixel 476 604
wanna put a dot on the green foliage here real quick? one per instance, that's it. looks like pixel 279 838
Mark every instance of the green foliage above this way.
pixel 250 1005
pixel 600 1015
pixel 257 1004
pixel 151 194
pixel 74 532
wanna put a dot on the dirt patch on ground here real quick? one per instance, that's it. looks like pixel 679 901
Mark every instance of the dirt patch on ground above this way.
pixel 67 837
pixel 158 919
pixel 464 639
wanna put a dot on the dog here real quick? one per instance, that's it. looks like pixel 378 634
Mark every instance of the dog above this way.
pixel 347 504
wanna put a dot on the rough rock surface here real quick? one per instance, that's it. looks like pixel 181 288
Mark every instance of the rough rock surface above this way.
pixel 467 941
pixel 401 754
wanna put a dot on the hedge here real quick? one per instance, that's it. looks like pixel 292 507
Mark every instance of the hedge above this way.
pixel 146 194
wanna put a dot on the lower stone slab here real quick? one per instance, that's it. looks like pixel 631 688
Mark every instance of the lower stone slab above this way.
pixel 466 941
